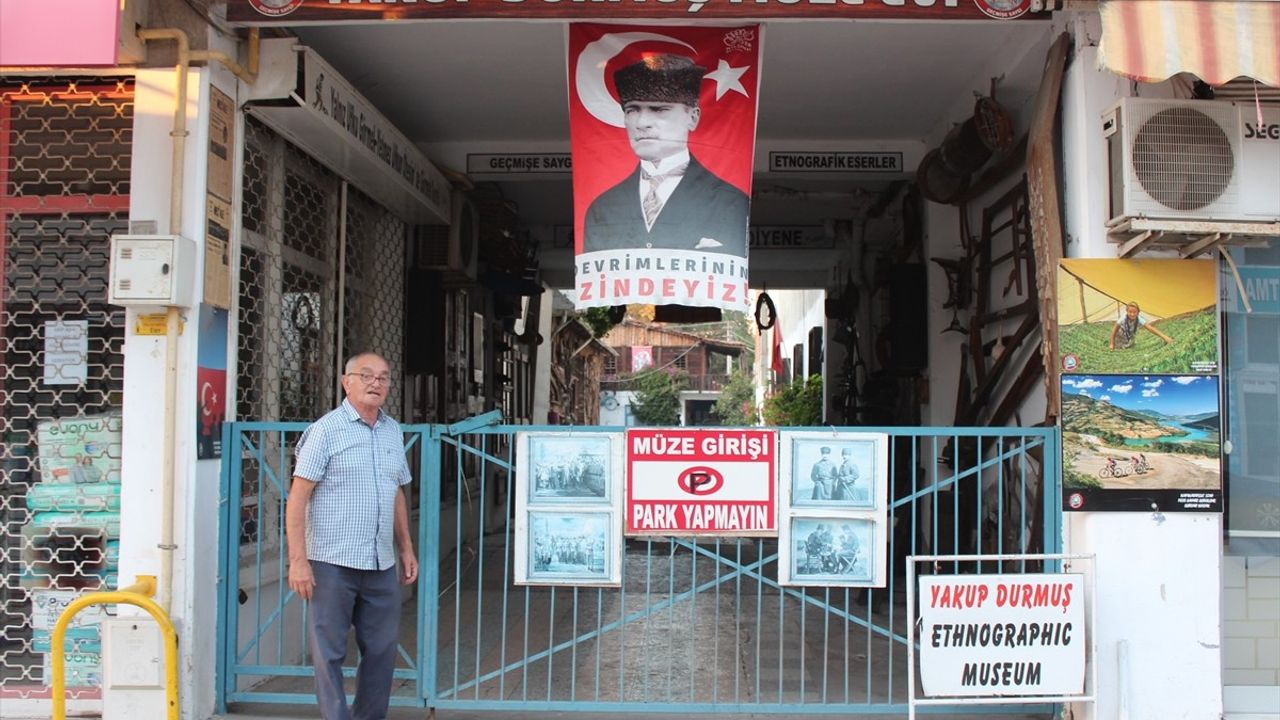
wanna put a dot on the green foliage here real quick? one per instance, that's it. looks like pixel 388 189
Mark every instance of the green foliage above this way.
pixel 1195 338
pixel 1076 479
pixel 1197 448
pixel 597 318
pixel 798 404
pixel 657 400
pixel 737 402
pixel 1073 478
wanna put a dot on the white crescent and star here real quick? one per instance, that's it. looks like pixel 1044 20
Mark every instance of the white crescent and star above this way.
pixel 728 78
pixel 594 93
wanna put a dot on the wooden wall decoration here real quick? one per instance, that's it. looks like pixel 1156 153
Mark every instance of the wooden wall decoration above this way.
pixel 1046 215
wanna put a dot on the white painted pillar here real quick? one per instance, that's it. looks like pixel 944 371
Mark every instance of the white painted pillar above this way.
pixel 196 483
pixel 1158 577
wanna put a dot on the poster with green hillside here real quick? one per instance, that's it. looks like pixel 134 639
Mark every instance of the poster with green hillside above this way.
pixel 1137 316
pixel 1141 443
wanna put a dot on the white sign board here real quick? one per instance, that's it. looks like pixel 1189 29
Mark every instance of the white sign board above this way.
pixel 1002 635
pixel 854 161
pixel 701 482
pixel 519 163
pixel 66 352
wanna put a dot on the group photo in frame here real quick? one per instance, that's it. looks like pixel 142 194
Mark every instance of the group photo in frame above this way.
pixel 571 547
pixel 829 550
pixel 833 508
pixel 568 509
pixel 569 469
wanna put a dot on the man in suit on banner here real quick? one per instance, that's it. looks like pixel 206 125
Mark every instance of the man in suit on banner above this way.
pixel 670 201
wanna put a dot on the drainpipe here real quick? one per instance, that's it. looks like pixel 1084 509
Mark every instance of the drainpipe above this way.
pixel 179 134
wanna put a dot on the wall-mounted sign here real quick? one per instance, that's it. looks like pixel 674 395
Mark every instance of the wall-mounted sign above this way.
pixel 701 482
pixel 308 102
pixel 211 381
pixel 1133 443
pixel 66 352
pixel 1121 317
pixel 217 242
pixel 641 357
pixel 789 237
pixel 265 12
pixel 836 162
pixel 519 163
pixel 59 33
pixel 1262 287
pixel 1002 635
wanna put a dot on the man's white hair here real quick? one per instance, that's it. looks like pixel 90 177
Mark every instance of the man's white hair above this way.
pixel 351 362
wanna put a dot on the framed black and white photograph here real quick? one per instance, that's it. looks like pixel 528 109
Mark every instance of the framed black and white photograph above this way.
pixel 833 551
pixel 569 469
pixel 568 547
pixel 568 524
pixel 835 470
pixel 833 508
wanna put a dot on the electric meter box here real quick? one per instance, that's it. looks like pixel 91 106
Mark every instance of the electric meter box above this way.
pixel 152 270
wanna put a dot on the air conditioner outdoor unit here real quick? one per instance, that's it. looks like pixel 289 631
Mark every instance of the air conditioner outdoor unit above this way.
pixel 450 249
pixel 1192 160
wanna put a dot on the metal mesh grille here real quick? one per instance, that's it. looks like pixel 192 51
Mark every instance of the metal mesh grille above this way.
pixel 1183 159
pixel 286 291
pixel 64 167
pixel 373 317
pixel 292 293
pixel 287 281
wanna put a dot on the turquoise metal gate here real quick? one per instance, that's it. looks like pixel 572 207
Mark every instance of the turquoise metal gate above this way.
pixel 697 626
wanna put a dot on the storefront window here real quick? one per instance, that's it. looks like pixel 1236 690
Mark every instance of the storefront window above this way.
pixel 1251 399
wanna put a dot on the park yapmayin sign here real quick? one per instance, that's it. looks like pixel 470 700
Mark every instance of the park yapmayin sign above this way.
pixel 291 12
pixel 701 482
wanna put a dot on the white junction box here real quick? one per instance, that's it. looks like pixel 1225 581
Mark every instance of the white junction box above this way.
pixel 152 270
pixel 133 669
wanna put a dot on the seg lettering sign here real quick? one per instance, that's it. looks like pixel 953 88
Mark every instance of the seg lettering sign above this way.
pixel 1002 635
pixel 701 482
pixel 1266 131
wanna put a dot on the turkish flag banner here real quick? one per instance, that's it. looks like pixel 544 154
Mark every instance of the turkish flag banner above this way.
pixel 663 124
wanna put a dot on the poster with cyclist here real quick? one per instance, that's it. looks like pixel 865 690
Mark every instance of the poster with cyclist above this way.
pixel 1141 443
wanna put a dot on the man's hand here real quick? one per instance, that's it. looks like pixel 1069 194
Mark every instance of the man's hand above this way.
pixel 408 567
pixel 301 580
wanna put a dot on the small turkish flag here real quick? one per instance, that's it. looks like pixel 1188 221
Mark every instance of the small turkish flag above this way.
pixel 778 366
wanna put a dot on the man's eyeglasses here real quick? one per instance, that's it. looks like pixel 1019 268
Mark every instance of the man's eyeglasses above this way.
pixel 369 378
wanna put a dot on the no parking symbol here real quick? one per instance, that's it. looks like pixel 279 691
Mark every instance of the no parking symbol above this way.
pixel 701 482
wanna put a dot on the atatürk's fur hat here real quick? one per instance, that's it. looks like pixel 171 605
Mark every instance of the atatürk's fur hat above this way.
pixel 660 78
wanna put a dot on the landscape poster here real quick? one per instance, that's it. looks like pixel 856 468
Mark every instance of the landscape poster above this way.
pixel 1138 316
pixel 1141 443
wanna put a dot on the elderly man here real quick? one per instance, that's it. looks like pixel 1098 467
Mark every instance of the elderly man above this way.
pixel 347 520
pixel 670 201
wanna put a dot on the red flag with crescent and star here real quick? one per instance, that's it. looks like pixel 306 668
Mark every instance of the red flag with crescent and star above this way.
pixel 662 123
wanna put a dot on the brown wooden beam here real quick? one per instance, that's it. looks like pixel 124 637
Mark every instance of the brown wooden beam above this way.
pixel 983 392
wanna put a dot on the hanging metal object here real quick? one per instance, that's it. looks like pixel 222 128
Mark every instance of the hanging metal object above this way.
pixel 937 182
pixel 944 173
